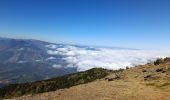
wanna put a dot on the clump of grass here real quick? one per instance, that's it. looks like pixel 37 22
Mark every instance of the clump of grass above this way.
pixel 163 85
pixel 158 85
pixel 144 70
pixel 150 84
pixel 168 69
pixel 159 70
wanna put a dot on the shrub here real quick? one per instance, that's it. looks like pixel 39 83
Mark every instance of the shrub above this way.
pixel 158 61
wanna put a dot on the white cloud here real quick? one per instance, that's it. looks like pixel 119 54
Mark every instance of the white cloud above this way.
pixel 38 60
pixel 52 46
pixel 50 58
pixel 51 52
pixel 85 59
pixel 20 62
pixel 20 49
pixel 56 66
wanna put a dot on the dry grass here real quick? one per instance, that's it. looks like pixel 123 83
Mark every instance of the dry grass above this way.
pixel 133 85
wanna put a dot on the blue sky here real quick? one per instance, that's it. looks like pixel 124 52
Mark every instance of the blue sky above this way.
pixel 121 23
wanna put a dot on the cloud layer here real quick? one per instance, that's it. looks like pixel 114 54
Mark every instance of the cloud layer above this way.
pixel 84 58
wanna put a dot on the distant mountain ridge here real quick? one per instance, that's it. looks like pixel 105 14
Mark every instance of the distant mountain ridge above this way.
pixel 27 60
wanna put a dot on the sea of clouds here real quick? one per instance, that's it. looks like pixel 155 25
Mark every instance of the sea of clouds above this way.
pixel 85 58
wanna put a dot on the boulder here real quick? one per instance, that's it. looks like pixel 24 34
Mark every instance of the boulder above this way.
pixel 112 77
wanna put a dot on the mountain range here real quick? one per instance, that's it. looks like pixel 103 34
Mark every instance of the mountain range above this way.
pixel 27 60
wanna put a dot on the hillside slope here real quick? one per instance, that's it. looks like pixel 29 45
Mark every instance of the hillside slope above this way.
pixel 145 82
pixel 53 84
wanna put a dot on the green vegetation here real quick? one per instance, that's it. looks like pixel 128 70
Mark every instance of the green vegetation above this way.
pixel 158 61
pixel 53 84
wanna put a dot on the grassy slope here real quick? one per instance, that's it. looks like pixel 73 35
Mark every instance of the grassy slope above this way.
pixel 53 84
pixel 147 82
